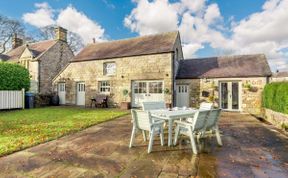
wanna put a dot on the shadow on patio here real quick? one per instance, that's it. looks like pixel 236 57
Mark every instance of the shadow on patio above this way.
pixel 251 149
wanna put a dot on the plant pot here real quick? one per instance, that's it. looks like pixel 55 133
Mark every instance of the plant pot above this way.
pixel 168 105
pixel 125 105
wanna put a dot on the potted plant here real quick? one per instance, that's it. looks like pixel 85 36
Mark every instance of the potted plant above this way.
pixel 125 105
pixel 167 92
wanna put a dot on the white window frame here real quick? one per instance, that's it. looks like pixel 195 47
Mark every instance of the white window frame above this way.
pixel 109 68
pixel 104 86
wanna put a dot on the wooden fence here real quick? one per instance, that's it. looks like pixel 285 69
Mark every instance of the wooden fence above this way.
pixel 12 99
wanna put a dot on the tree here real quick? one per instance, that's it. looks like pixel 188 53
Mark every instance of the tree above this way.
pixel 74 40
pixel 8 27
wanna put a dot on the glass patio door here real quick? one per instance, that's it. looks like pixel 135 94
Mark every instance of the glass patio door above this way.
pixel 230 95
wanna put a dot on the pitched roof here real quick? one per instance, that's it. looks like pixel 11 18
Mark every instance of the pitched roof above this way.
pixel 150 44
pixel 225 66
pixel 281 74
pixel 36 49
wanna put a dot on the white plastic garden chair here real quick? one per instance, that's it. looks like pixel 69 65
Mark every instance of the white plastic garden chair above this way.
pixel 205 106
pixel 153 105
pixel 192 128
pixel 212 125
pixel 142 120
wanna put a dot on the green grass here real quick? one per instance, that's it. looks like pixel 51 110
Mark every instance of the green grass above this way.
pixel 20 129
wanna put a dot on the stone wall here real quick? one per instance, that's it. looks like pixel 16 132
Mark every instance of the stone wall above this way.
pixel 280 120
pixel 146 67
pixel 33 69
pixel 51 63
pixel 251 92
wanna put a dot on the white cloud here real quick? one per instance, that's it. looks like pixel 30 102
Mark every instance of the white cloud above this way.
pixel 190 49
pixel 152 22
pixel 212 14
pixel 69 18
pixel 80 24
pixel 192 18
pixel 264 32
pixel 201 23
pixel 42 17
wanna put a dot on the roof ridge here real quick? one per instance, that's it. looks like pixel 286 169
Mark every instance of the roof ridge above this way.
pixel 137 37
pixel 226 56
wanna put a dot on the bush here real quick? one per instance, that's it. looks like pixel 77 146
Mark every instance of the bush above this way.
pixel 275 97
pixel 13 77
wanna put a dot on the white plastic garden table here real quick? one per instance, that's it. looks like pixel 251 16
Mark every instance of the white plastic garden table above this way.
pixel 170 116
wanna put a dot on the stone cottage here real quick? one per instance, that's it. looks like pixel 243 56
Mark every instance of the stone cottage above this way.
pixel 233 83
pixel 43 59
pixel 152 68
pixel 145 66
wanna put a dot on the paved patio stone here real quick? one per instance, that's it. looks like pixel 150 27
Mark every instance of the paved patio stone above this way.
pixel 251 149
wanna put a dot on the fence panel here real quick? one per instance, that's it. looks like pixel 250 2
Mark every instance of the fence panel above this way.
pixel 10 99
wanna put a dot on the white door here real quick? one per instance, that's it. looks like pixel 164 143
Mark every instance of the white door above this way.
pixel 80 98
pixel 230 95
pixel 182 95
pixel 62 93
pixel 147 91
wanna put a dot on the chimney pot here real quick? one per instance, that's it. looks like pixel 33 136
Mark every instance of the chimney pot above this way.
pixel 16 42
pixel 94 40
pixel 61 34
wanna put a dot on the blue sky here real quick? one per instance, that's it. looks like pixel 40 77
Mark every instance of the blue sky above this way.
pixel 207 27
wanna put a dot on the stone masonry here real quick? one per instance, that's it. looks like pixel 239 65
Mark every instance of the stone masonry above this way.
pixel 52 62
pixel 128 69
pixel 251 92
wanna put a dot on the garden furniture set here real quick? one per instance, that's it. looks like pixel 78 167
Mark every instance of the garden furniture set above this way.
pixel 191 122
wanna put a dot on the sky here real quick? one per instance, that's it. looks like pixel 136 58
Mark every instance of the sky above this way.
pixel 207 27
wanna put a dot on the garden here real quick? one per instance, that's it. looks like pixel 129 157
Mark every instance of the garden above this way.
pixel 21 129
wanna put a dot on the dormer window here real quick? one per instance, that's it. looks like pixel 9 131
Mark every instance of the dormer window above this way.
pixel 109 68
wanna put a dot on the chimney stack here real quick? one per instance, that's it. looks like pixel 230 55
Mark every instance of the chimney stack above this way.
pixel 61 34
pixel 16 42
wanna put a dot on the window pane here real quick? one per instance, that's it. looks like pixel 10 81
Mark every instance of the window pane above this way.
pixel 155 87
pixel 104 86
pixel 109 68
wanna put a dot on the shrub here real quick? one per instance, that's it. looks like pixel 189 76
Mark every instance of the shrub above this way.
pixel 13 77
pixel 275 97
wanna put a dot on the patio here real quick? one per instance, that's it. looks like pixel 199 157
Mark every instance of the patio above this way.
pixel 251 149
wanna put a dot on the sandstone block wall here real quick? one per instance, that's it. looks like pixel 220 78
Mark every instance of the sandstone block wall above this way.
pixel 52 62
pixel 251 92
pixel 128 69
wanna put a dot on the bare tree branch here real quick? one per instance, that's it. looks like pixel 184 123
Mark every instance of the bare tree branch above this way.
pixel 74 40
pixel 8 27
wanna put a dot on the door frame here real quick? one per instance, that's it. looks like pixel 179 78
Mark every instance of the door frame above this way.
pixel 77 93
pixel 239 94
pixel 188 94
pixel 147 89
pixel 58 90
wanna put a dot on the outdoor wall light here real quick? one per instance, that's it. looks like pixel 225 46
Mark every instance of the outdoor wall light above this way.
pixel 167 75
pixel 122 76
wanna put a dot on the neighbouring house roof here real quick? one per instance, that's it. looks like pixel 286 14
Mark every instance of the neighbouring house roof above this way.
pixel 150 44
pixel 225 67
pixel 3 57
pixel 280 74
pixel 36 49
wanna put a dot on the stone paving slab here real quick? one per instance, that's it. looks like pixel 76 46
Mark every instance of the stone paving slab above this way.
pixel 251 149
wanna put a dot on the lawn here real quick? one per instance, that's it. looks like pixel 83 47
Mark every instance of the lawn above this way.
pixel 24 128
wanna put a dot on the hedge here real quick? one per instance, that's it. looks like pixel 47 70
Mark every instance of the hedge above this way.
pixel 275 97
pixel 13 77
